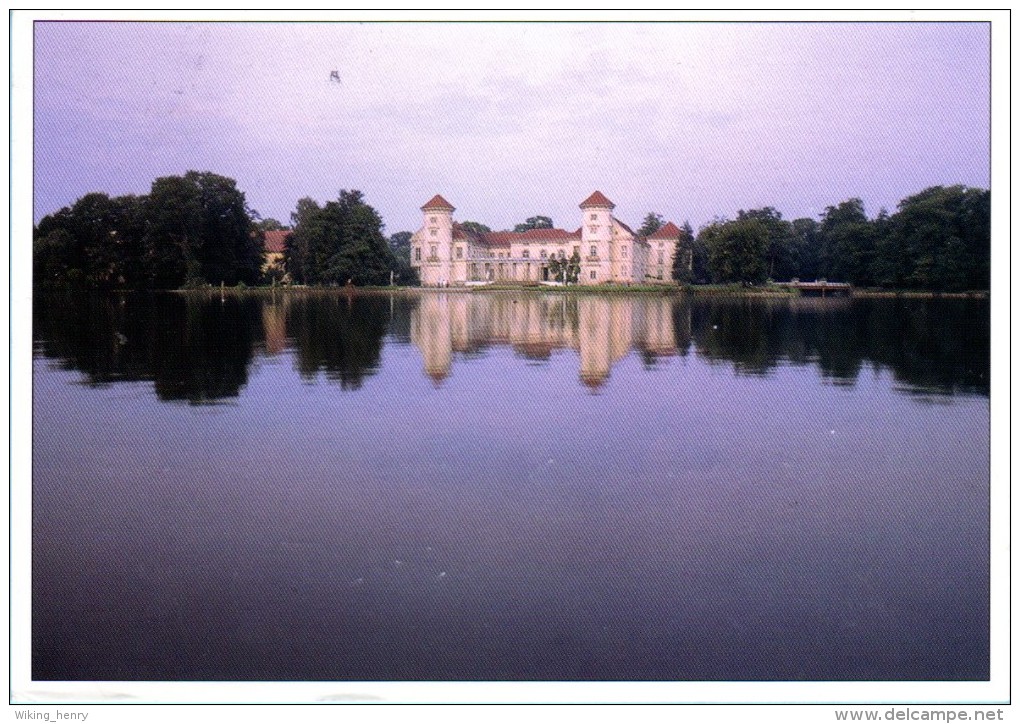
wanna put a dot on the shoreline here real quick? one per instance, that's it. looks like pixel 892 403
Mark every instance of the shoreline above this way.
pixel 660 290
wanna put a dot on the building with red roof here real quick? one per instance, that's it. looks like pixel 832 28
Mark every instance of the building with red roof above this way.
pixel 275 245
pixel 276 241
pixel 662 246
pixel 597 200
pixel 439 203
pixel 603 250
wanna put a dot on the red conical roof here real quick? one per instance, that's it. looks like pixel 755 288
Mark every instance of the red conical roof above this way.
pixel 597 199
pixel 438 202
pixel 670 231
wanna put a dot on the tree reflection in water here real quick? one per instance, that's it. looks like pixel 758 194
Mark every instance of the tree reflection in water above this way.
pixel 197 347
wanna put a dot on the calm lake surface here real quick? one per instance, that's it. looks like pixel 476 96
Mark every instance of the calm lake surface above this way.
pixel 507 486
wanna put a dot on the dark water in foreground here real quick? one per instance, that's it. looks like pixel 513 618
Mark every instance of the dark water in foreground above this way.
pixel 509 486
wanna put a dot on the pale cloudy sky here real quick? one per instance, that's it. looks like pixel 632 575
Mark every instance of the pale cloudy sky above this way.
pixel 692 120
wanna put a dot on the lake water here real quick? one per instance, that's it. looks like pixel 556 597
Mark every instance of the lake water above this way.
pixel 509 486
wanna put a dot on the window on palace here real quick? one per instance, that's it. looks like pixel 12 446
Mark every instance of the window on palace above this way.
pixel 594 217
pixel 594 250
pixel 543 254
pixel 660 256
pixel 623 251
pixel 460 252
pixel 432 231
pixel 592 273
pixel 432 251
pixel 562 254
pixel 577 250
pixel 592 228
pixel 417 253
pixel 432 219
pixel 526 254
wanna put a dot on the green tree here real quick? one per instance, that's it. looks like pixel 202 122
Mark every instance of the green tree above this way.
pixel 173 236
pixel 555 268
pixel 127 239
pixel 890 264
pixel 652 223
pixel 270 224
pixel 683 257
pixel 781 255
pixel 96 218
pixel 699 257
pixel 976 226
pixel 199 230
pixel 297 254
pixel 566 269
pixel 737 250
pixel 939 239
pixel 805 242
pixel 475 227
pixel 53 256
pixel 400 246
pixel 847 243
pixel 97 242
pixel 341 241
pixel 573 270
pixel 535 222
pixel 232 246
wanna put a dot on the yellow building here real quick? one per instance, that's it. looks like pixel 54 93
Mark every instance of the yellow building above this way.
pixel 275 246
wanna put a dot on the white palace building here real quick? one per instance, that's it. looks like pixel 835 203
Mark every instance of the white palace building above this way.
pixel 447 254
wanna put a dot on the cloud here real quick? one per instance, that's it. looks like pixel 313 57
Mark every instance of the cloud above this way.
pixel 508 120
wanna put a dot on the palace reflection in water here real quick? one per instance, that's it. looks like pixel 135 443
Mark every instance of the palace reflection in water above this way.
pixel 601 330
pixel 199 347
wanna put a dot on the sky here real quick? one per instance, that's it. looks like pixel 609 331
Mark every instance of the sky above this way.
pixel 510 120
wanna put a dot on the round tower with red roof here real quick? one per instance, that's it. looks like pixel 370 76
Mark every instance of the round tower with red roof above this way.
pixel 434 242
pixel 596 237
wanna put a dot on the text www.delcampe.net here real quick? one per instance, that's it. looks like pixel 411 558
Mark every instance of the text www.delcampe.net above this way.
pixel 909 714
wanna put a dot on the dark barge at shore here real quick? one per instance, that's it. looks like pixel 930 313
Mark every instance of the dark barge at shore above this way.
pixel 820 288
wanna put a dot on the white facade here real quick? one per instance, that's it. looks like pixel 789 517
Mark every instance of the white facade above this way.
pixel 447 254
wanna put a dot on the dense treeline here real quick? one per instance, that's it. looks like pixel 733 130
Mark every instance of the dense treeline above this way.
pixel 188 231
pixel 197 229
pixel 939 240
